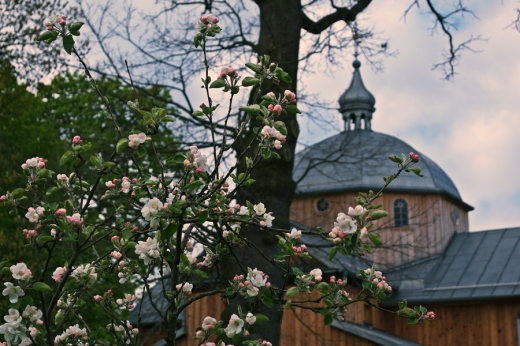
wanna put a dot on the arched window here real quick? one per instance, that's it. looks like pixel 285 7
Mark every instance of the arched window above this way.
pixel 401 212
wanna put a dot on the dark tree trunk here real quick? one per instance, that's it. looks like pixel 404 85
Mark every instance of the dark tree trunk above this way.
pixel 280 29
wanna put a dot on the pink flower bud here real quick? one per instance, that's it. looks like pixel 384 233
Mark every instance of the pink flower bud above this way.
pixel 41 165
pixel 267 284
pixel 241 277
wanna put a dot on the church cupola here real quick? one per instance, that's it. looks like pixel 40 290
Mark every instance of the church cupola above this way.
pixel 357 103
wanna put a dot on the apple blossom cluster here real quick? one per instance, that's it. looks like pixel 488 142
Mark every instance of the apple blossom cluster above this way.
pixel 374 281
pixel 269 132
pixel 125 334
pixel 126 185
pixel 415 315
pixel 148 250
pixel 253 285
pixel 256 212
pixel 65 301
pixel 209 327
pixel 227 71
pixel 85 274
pixel 151 211
pixel 413 157
pixel 305 282
pixel 127 303
pixel 16 327
pixel 63 179
pixel 54 20
pixel 290 246
pixel 184 290
pixel 34 214
pixel 124 270
pixel 73 335
pixel 195 161
pixel 276 104
pixel 136 139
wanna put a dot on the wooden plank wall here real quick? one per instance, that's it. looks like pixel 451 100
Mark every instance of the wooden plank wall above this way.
pixel 299 327
pixel 431 224
pixel 490 323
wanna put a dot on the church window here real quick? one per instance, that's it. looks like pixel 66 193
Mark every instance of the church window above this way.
pixel 455 215
pixel 322 204
pixel 400 212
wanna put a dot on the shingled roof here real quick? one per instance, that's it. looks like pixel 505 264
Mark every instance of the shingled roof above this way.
pixel 475 265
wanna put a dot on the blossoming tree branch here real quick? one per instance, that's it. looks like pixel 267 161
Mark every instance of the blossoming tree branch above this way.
pixel 175 211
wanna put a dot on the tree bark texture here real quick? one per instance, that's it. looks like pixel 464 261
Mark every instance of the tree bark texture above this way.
pixel 281 24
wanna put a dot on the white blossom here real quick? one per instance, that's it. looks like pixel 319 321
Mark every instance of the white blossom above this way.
pixel 259 209
pixel 13 292
pixel 345 223
pixel 235 326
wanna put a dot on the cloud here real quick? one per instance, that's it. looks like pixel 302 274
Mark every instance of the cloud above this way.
pixel 469 126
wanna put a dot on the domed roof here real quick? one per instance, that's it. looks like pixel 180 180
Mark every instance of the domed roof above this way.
pixel 357 96
pixel 358 161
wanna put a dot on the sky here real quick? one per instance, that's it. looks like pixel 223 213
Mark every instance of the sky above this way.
pixel 468 126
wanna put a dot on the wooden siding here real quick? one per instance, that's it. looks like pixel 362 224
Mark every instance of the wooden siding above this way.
pixel 490 323
pixel 430 223
pixel 299 327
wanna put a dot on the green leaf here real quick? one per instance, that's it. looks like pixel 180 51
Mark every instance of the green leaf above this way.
pixel 283 76
pixel 95 161
pixel 219 83
pixel 201 274
pixel 367 285
pixel 76 26
pixel 395 159
pixel 375 238
pixel 108 164
pixel 280 126
pixel 322 286
pixel 193 185
pixel 17 193
pixel 176 160
pixel 121 144
pixel 41 287
pixel 141 151
pixel 261 318
pixel 268 302
pixel 412 320
pixel 255 67
pixel 293 292
pixel 333 253
pixel 328 319
pixel 68 43
pixel 169 231
pixel 45 36
pixel 45 238
pixel 197 113
pixel 378 214
pixel 252 109
pixel 197 39
pixel 293 109
pixel 203 216
pixel 250 81
pixel 66 157
pixel 75 33
pixel 130 245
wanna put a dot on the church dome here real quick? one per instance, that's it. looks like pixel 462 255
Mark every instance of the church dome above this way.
pixel 358 161
pixel 356 97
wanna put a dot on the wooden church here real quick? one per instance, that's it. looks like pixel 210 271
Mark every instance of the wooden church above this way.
pixel 470 280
